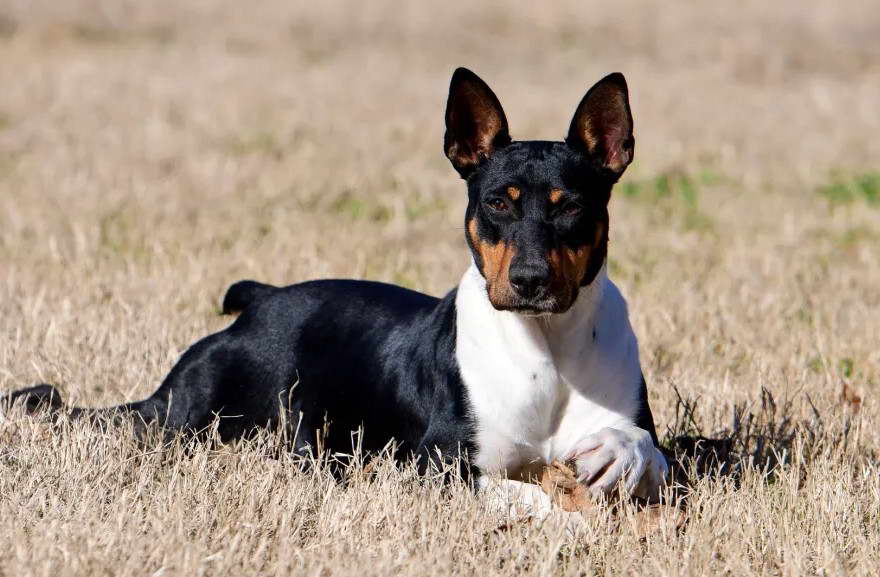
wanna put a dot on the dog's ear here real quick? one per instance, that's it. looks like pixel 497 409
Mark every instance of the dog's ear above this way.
pixel 602 126
pixel 475 122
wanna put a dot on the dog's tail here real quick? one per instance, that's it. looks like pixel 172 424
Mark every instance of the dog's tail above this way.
pixel 243 294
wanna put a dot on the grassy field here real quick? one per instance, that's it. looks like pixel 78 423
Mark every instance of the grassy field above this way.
pixel 151 153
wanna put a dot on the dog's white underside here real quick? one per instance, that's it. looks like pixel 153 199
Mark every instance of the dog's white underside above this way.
pixel 553 388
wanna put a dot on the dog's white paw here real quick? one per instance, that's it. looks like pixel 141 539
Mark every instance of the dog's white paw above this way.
pixel 624 456
pixel 515 499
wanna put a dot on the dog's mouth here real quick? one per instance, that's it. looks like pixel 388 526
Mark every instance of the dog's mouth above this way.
pixel 533 312
pixel 545 306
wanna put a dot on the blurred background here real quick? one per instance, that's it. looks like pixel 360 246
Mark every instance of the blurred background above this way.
pixel 153 152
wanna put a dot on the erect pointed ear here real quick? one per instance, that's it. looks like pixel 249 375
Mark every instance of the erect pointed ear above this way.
pixel 475 122
pixel 603 125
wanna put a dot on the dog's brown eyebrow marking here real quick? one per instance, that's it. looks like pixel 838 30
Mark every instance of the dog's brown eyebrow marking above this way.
pixel 556 195
pixel 513 192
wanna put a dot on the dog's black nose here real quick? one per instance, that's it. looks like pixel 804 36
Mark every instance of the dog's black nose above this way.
pixel 529 281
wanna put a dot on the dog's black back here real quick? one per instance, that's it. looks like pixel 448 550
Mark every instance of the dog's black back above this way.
pixel 379 355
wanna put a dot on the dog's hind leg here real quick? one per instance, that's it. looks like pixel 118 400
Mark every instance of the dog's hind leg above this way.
pixel 210 380
pixel 46 400
pixel 34 399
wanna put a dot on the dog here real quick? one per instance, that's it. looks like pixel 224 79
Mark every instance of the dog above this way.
pixel 530 360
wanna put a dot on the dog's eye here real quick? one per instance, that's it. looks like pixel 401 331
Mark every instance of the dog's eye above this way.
pixel 571 209
pixel 497 205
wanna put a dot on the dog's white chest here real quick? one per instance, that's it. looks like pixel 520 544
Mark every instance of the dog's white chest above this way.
pixel 537 386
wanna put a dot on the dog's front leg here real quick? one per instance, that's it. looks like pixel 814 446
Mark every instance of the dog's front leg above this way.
pixel 623 455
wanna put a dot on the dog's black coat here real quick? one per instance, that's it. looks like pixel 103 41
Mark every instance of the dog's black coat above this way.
pixel 330 357
pixel 336 356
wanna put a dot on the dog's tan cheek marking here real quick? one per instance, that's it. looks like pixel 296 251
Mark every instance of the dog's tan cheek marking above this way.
pixel 513 192
pixel 496 260
pixel 577 260
pixel 569 267
pixel 559 287
pixel 576 264
pixel 600 230
pixel 555 195
pixel 472 231
pixel 478 244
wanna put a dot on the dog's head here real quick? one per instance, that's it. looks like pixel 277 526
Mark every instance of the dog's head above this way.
pixel 537 216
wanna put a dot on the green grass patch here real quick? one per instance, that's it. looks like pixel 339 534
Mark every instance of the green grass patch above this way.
pixel 358 208
pixel 101 35
pixel 260 144
pixel 844 189
pixel 675 193
pixel 91 34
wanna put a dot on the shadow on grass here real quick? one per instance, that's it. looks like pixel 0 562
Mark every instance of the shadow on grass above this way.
pixel 760 437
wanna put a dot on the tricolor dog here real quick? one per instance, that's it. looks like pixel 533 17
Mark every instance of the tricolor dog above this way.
pixel 530 359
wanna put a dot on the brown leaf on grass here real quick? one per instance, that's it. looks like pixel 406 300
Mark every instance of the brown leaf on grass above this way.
pixel 559 480
pixel 850 398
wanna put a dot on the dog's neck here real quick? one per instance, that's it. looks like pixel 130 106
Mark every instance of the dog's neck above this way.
pixel 537 384
pixel 555 330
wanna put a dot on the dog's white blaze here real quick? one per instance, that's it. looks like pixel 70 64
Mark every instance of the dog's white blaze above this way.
pixel 539 387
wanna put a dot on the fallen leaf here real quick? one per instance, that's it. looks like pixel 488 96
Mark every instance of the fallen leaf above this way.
pixel 559 480
pixel 850 398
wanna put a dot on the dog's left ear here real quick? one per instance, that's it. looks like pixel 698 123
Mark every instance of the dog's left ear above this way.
pixel 602 126
pixel 475 122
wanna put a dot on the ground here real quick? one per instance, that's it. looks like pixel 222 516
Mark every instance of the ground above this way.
pixel 151 153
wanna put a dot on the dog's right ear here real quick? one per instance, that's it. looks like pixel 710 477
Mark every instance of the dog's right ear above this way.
pixel 475 122
pixel 602 126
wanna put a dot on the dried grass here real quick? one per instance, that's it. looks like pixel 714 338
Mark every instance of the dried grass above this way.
pixel 153 152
